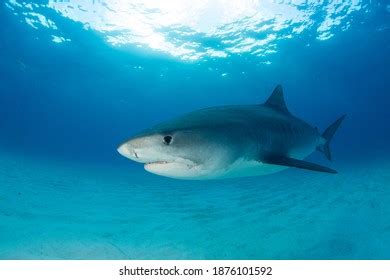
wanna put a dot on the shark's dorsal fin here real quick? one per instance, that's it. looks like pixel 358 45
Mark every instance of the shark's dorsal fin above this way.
pixel 276 100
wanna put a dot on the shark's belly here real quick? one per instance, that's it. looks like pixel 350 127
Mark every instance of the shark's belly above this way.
pixel 243 168
pixel 247 168
pixel 251 168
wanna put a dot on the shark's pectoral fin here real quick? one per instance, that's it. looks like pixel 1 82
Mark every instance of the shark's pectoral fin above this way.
pixel 291 162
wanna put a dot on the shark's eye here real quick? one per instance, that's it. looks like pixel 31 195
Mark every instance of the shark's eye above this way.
pixel 167 139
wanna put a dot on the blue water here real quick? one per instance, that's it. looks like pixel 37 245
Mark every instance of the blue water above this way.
pixel 79 77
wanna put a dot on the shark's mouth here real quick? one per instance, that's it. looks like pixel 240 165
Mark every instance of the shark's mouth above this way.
pixel 161 162
pixel 176 168
pixel 181 162
pixel 158 162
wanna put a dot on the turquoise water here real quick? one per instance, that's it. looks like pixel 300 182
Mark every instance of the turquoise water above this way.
pixel 77 78
pixel 70 211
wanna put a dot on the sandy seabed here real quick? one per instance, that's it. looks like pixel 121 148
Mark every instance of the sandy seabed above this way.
pixel 60 210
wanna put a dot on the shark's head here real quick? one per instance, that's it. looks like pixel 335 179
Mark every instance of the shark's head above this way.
pixel 194 153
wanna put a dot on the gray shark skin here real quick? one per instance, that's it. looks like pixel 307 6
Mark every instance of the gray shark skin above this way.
pixel 230 141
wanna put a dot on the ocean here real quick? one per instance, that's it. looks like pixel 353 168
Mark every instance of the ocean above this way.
pixel 77 78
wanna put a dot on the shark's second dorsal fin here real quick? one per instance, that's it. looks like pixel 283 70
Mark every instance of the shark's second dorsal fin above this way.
pixel 276 100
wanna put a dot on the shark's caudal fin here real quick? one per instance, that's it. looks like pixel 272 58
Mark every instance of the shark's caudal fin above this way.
pixel 276 100
pixel 328 135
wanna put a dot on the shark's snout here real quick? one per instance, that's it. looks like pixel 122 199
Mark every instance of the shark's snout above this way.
pixel 140 149
pixel 128 151
pixel 123 150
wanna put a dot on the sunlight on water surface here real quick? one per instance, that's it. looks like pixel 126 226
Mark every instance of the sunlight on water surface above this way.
pixel 192 30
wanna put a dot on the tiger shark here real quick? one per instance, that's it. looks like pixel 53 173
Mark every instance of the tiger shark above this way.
pixel 230 141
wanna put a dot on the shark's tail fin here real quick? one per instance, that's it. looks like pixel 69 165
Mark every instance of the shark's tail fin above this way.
pixel 328 135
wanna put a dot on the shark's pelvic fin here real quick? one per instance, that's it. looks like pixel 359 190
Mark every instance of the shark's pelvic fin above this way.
pixel 328 135
pixel 291 162
pixel 276 100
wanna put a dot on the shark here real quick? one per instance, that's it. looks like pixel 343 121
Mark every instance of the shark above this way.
pixel 231 141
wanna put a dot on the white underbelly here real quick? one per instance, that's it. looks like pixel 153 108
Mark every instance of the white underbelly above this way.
pixel 243 168
pixel 247 168
pixel 240 168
